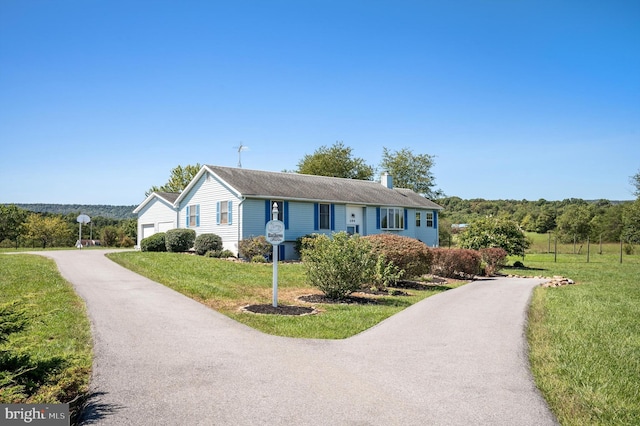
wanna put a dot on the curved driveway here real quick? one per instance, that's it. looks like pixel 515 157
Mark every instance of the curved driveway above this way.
pixel 458 358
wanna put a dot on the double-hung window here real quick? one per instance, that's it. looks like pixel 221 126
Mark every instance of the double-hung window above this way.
pixel 323 216
pixel 429 220
pixel 223 212
pixel 391 218
pixel 193 215
pixel 417 219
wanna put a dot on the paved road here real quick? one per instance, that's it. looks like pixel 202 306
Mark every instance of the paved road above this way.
pixel 458 358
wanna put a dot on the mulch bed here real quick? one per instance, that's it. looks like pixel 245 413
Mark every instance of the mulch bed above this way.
pixel 321 298
pixel 280 310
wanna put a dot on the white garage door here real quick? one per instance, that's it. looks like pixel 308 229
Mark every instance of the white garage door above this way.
pixel 165 226
pixel 147 230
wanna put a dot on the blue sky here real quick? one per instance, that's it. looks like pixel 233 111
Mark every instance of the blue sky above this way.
pixel 100 99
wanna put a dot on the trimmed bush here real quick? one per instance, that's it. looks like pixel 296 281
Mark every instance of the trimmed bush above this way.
pixel 340 265
pixel 254 246
pixel 207 242
pixel 494 259
pixel 179 239
pixel 155 242
pixel 407 254
pixel 455 263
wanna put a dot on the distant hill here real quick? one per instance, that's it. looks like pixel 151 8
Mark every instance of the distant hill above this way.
pixel 113 212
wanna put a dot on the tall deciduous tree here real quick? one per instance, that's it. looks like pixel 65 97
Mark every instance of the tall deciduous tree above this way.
pixel 179 179
pixel 575 223
pixel 335 161
pixel 47 230
pixel 412 171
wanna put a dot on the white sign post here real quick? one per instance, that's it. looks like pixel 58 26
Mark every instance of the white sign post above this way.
pixel 274 233
pixel 83 218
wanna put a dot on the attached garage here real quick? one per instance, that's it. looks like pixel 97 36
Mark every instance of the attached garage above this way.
pixel 156 214
pixel 148 230
pixel 165 226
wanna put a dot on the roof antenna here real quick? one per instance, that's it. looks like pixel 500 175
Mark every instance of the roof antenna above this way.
pixel 240 149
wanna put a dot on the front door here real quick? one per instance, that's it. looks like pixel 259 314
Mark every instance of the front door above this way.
pixel 354 219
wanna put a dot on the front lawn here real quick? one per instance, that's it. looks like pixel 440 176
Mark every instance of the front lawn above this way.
pixel 228 286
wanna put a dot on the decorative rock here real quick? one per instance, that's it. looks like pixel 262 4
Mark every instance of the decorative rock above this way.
pixel 557 281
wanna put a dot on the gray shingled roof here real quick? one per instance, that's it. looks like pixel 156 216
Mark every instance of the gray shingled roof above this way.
pixel 169 196
pixel 294 186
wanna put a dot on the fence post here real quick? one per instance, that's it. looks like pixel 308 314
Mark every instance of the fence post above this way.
pixel 555 248
pixel 588 248
pixel 620 249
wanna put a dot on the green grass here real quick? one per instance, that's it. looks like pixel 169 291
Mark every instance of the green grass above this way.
pixel 228 286
pixel 585 338
pixel 54 349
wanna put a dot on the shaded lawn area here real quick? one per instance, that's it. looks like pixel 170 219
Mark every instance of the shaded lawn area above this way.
pixel 228 286
pixel 48 360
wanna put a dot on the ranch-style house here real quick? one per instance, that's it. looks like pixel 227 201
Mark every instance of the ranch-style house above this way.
pixel 236 203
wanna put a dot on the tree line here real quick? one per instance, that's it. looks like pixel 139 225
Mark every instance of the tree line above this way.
pixel 23 228
pixel 104 210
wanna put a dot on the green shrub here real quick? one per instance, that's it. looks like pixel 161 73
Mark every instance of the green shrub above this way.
pixel 254 246
pixel 455 263
pixel 408 254
pixel 126 242
pixel 340 265
pixel 258 258
pixel 224 254
pixel 220 254
pixel 303 242
pixel 385 274
pixel 518 264
pixel 155 242
pixel 207 242
pixel 494 259
pixel 109 236
pixel 179 239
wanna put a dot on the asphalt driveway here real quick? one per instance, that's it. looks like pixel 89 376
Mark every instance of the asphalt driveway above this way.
pixel 458 358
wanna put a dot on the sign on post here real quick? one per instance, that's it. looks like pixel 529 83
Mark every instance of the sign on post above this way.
pixel 274 234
